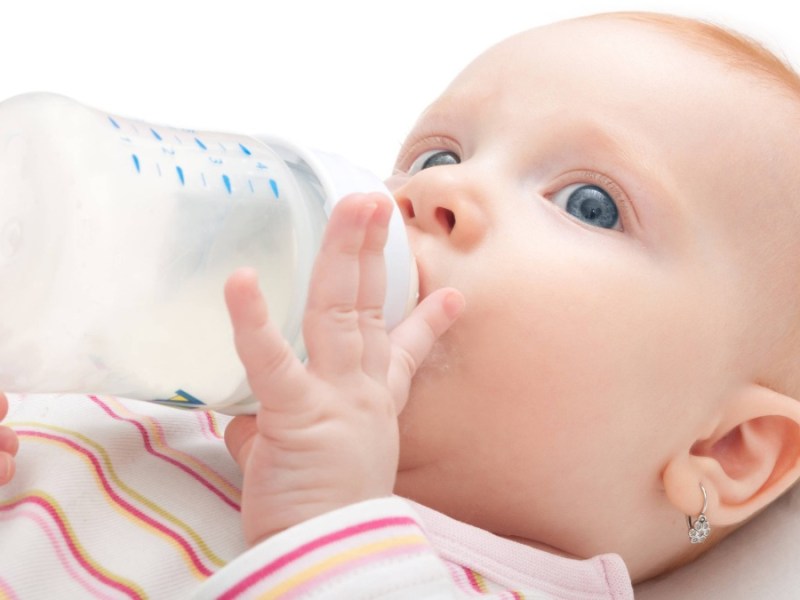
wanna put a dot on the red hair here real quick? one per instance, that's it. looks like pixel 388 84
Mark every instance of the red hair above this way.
pixel 733 48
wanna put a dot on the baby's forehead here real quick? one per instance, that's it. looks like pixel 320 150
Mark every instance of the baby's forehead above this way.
pixel 723 111
pixel 734 51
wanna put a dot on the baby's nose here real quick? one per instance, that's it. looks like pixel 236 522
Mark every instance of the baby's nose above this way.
pixel 441 202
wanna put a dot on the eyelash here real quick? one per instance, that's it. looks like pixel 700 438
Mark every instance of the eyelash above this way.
pixel 626 211
pixel 425 145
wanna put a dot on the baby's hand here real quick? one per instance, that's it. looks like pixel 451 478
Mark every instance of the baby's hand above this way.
pixel 8 445
pixel 326 432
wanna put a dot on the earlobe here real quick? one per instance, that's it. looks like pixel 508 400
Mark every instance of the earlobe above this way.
pixel 750 458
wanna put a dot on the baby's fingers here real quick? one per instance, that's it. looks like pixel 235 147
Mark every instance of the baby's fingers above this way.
pixel 273 370
pixel 9 443
pixel 7 467
pixel 414 338
pixel 338 293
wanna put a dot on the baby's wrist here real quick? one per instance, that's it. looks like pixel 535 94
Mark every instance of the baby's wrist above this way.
pixel 269 523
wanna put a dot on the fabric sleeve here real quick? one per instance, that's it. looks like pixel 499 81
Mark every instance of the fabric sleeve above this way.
pixel 373 549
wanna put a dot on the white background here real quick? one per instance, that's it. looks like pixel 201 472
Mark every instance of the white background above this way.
pixel 347 76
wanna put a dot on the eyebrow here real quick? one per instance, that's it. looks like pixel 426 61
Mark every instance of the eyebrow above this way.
pixel 653 191
pixel 652 195
pixel 639 168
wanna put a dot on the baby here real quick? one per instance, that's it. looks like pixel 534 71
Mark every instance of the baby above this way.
pixel 603 215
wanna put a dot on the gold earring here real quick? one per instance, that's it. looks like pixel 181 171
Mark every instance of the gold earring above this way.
pixel 700 529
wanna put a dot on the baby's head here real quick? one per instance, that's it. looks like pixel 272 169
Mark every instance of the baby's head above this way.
pixel 617 198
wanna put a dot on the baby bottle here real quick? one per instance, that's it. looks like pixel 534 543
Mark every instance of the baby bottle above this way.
pixel 116 238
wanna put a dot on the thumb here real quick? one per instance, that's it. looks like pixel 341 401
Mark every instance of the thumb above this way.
pixel 414 338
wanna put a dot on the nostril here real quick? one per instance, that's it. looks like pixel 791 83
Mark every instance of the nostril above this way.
pixel 446 218
pixel 406 209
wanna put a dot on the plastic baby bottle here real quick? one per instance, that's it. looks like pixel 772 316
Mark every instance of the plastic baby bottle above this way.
pixel 116 238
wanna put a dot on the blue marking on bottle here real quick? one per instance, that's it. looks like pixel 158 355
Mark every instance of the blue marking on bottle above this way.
pixel 201 144
pixel 158 168
pixel 245 149
pixel 136 163
pixel 180 175
pixel 274 185
pixel 203 178
pixel 250 183
pixel 181 399
pixel 114 123
pixel 155 133
pixel 126 139
pixel 215 161
pixel 227 181
pixel 260 165
pixel 224 149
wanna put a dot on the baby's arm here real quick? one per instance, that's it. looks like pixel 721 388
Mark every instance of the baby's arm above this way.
pixel 326 433
pixel 8 444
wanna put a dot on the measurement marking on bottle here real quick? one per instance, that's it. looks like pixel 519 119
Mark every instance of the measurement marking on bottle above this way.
pixel 274 185
pixel 180 175
pixel 224 149
pixel 158 168
pixel 203 179
pixel 250 183
pixel 227 181
pixel 200 143
pixel 114 123
pixel 245 149
pixel 155 134
pixel 180 141
pixel 136 163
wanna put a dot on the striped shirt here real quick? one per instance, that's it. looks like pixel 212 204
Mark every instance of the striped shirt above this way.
pixel 122 499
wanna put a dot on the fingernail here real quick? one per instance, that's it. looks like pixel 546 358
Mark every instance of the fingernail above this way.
pixel 383 213
pixel 454 304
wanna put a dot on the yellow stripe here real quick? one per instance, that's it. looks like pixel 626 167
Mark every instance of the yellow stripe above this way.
pixel 112 475
pixel 70 535
pixel 481 581
pixel 334 561
pixel 154 428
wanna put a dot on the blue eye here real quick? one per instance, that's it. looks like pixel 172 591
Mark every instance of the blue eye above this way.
pixel 435 158
pixel 590 204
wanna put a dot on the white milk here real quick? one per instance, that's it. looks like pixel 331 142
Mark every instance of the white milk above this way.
pixel 116 237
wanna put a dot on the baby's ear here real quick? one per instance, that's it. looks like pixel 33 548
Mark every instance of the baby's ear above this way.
pixel 750 458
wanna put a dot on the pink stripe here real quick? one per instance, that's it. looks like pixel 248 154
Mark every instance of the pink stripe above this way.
pixel 58 549
pixel 122 502
pixel 335 572
pixel 472 579
pixel 73 549
pixel 311 546
pixel 5 588
pixel 459 577
pixel 208 425
pixel 183 467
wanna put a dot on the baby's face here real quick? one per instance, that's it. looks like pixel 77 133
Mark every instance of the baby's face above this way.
pixel 596 189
